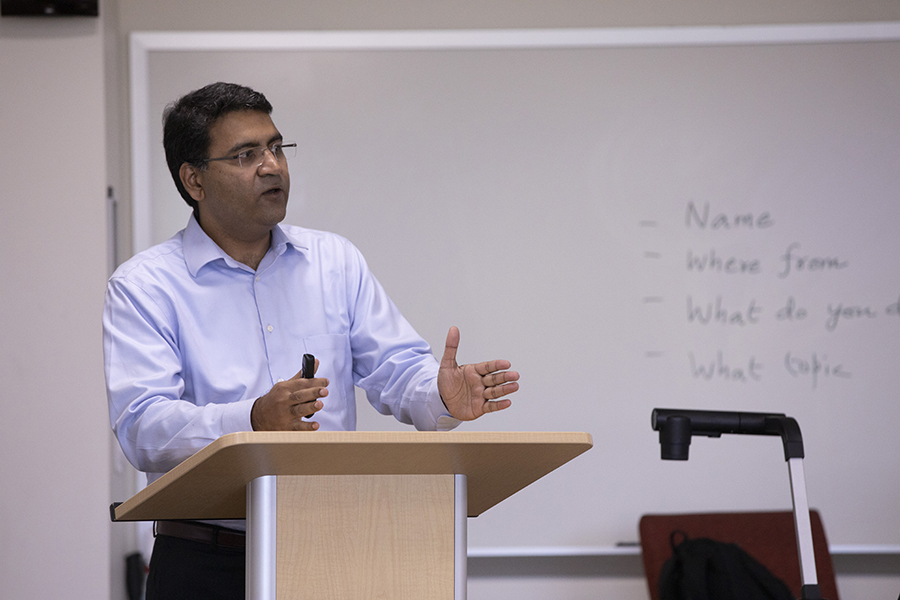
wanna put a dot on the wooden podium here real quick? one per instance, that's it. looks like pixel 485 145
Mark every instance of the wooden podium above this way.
pixel 353 515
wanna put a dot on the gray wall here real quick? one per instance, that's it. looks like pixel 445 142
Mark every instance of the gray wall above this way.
pixel 63 103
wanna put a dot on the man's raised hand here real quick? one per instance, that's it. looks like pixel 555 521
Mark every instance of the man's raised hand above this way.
pixel 469 391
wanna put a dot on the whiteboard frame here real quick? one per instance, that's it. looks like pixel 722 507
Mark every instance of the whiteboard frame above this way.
pixel 143 43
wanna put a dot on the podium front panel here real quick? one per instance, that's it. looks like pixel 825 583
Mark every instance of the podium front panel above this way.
pixel 365 536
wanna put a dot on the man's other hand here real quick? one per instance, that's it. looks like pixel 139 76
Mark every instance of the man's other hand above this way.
pixel 284 407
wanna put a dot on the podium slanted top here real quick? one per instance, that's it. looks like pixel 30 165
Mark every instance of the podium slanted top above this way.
pixel 211 484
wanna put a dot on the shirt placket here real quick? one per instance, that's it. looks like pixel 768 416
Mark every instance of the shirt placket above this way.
pixel 269 324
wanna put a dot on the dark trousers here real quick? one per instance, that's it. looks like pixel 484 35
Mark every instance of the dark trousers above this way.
pixel 186 570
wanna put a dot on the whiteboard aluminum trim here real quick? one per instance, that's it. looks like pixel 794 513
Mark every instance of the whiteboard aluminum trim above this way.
pixel 142 43
pixel 634 549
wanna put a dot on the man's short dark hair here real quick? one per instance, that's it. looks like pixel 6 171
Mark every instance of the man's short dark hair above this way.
pixel 187 121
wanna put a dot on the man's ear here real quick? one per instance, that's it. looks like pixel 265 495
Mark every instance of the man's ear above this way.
pixel 192 181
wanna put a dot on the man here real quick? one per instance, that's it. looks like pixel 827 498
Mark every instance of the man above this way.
pixel 204 333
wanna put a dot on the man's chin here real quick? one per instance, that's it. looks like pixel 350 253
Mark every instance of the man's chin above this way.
pixel 275 206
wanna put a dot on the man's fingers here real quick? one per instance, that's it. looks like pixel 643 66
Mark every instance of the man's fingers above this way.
pixel 500 390
pixel 302 404
pixel 491 366
pixel 300 425
pixel 496 405
pixel 306 409
pixel 493 379
pixel 297 385
pixel 450 348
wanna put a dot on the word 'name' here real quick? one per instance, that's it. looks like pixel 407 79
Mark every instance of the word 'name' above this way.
pixel 704 220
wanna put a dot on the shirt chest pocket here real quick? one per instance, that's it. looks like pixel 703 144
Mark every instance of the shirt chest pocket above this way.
pixel 335 364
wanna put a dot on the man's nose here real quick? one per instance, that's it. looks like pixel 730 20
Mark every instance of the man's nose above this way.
pixel 270 162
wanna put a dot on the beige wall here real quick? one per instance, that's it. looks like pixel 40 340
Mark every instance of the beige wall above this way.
pixel 63 103
pixel 442 14
pixel 54 441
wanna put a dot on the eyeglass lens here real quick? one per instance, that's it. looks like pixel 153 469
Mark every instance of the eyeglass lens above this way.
pixel 253 157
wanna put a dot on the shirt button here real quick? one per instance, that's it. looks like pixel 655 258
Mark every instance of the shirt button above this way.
pixel 270 328
pixel 280 380
pixel 257 277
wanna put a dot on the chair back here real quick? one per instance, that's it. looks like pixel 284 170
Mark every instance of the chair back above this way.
pixel 767 536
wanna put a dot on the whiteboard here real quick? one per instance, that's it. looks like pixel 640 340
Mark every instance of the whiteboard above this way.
pixel 707 225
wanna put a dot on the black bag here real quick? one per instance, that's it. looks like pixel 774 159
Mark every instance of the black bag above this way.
pixel 704 569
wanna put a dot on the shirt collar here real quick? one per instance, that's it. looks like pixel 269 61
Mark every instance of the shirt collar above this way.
pixel 281 240
pixel 200 249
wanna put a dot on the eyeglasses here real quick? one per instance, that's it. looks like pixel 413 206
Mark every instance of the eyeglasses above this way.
pixel 250 158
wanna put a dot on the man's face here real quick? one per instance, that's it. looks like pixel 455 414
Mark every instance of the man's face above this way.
pixel 241 203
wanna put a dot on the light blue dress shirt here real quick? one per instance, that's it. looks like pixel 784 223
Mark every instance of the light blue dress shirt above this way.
pixel 192 338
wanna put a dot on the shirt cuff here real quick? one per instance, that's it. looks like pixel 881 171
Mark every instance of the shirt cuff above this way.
pixel 236 416
pixel 443 420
